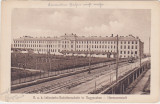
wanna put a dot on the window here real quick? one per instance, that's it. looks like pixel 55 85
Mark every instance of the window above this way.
pixel 128 52
pixel 121 46
pixel 128 47
pixel 136 42
pixel 124 47
pixel 124 52
pixel 135 52
pixel 124 42
pixel 128 42
pixel 135 47
pixel 121 52
pixel 132 42
pixel 132 47
pixel 131 52
pixel 121 42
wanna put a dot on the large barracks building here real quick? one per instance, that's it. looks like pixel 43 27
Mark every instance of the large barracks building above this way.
pixel 128 46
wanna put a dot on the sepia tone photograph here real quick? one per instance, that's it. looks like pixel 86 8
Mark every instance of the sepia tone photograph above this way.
pixel 80 51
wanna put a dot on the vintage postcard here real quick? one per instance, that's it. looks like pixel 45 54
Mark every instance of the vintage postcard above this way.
pixel 80 51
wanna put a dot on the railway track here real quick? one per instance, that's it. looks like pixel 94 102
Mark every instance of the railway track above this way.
pixel 61 72
pixel 67 84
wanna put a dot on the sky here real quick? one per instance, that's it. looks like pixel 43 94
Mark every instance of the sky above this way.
pixel 43 22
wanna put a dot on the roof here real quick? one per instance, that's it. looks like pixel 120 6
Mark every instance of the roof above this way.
pixel 37 38
pixel 80 38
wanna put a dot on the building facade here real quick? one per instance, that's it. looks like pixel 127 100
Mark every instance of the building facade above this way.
pixel 128 46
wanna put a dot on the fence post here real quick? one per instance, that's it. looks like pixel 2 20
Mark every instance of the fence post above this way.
pixel 25 77
pixel 19 77
pixel 43 73
pixel 40 74
pixel 31 76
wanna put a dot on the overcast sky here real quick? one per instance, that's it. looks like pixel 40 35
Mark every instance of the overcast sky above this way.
pixel 83 22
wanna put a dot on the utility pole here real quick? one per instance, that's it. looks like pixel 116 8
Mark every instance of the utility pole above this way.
pixel 149 47
pixel 24 53
pixel 89 60
pixel 50 65
pixel 140 51
pixel 36 62
pixel 95 85
pixel 117 61
pixel 75 43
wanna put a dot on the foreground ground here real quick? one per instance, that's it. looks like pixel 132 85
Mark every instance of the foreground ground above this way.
pixel 81 83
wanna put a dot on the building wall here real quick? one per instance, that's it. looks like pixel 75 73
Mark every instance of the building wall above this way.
pixel 127 46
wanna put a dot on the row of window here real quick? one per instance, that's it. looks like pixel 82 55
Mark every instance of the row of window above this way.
pixel 67 42
pixel 67 46
pixel 105 46
pixel 106 42
pixel 80 42
pixel 125 52
pixel 129 47
pixel 78 46
pixel 97 50
pixel 46 50
pixel 30 41
pixel 33 45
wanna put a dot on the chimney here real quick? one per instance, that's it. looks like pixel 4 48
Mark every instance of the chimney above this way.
pixel 112 35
